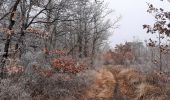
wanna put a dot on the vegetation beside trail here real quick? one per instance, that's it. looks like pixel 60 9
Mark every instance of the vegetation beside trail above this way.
pixel 59 50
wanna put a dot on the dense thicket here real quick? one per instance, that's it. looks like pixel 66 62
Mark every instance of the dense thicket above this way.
pixel 79 27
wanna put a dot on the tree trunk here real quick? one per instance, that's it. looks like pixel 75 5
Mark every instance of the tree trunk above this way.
pixel 8 38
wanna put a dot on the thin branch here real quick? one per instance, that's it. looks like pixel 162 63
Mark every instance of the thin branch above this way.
pixel 45 8
pixel 4 16
pixel 35 17
pixel 54 21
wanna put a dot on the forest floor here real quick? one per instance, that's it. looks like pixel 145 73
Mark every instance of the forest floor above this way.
pixel 122 83
pixel 109 82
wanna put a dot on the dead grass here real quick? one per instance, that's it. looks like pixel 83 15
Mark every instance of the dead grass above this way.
pixel 149 92
pixel 134 85
pixel 102 87
pixel 105 83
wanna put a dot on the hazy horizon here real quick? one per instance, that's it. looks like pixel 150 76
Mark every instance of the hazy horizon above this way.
pixel 134 15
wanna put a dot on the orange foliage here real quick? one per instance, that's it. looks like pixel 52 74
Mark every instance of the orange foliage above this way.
pixel 38 32
pixel 120 54
pixel 42 71
pixel 59 52
pixel 67 65
pixel 46 72
pixel 64 63
pixel 14 69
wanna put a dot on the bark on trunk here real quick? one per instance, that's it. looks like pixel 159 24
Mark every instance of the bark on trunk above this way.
pixel 8 38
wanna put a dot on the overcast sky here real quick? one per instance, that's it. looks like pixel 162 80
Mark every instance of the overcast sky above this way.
pixel 134 15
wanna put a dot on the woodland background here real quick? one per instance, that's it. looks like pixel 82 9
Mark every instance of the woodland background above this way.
pixel 58 50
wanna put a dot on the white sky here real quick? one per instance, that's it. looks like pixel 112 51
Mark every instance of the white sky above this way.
pixel 134 15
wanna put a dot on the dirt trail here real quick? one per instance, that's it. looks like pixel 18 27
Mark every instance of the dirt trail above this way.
pixel 118 83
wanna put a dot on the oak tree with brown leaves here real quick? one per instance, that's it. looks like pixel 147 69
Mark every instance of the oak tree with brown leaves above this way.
pixel 161 28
